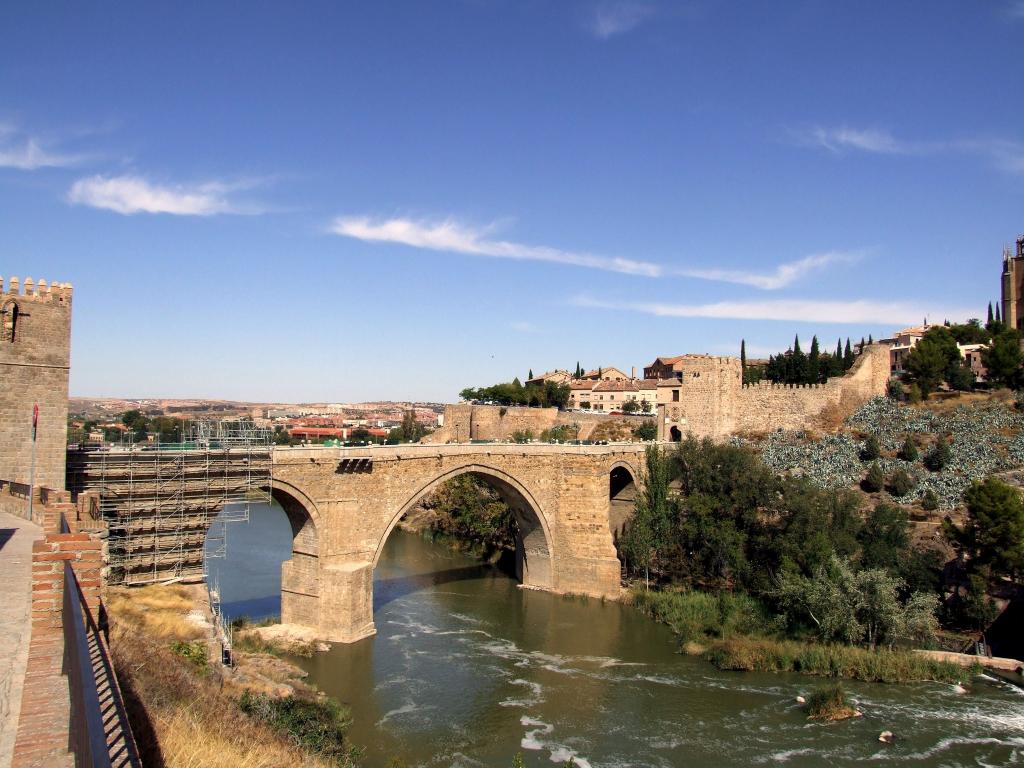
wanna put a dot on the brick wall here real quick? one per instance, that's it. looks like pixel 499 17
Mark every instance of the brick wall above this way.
pixel 34 369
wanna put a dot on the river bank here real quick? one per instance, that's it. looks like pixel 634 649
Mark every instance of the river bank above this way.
pixel 186 710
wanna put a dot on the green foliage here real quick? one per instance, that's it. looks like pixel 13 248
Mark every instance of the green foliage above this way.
pixel 522 436
pixel 467 509
pixel 517 761
pixel 909 452
pixel 934 359
pixel 970 332
pixel 872 450
pixel 1003 359
pixel 543 394
pixel 317 726
pixel 900 484
pixel 873 665
pixel 698 616
pixel 561 433
pixel 940 456
pixel 993 535
pixel 828 703
pixel 884 538
pixel 929 502
pixel 796 367
pixel 914 394
pixel 855 607
pixel 630 406
pixel 874 480
pixel 651 515
pixel 648 430
pixel 194 652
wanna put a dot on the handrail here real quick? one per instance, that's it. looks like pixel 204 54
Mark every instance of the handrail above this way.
pixel 87 732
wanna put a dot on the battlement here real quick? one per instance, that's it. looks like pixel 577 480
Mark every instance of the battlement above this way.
pixel 31 290
pixel 765 384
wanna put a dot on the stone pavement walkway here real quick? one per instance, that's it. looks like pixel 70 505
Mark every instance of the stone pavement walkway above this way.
pixel 16 537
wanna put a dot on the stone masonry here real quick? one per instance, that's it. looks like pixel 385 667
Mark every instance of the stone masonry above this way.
pixel 464 422
pixel 35 355
pixel 711 400
pixel 343 503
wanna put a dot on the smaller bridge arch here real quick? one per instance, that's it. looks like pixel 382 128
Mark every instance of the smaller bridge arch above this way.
pixel 300 575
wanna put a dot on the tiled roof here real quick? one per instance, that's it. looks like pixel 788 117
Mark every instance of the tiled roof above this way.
pixel 617 386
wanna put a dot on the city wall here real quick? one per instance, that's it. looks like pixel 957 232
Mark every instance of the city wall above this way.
pixel 464 422
pixel 35 357
pixel 713 402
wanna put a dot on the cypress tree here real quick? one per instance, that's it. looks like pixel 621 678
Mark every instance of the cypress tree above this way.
pixel 998 318
pixel 743 354
pixel 529 375
pixel 814 362
pixel 847 355
pixel 870 340
pixel 989 322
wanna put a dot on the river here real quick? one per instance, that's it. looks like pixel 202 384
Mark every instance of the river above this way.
pixel 467 669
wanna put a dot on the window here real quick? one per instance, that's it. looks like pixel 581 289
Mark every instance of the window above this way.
pixel 8 321
pixel 675 395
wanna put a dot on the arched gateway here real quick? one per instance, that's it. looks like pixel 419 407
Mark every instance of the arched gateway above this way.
pixel 343 503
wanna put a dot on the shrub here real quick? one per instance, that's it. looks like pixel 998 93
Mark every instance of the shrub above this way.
pixel 894 390
pixel 522 436
pixel 939 458
pixel 909 450
pixel 648 430
pixel 315 726
pixel 914 395
pixel 699 616
pixel 900 483
pixel 873 480
pixel 194 651
pixel 829 703
pixel 872 450
pixel 930 501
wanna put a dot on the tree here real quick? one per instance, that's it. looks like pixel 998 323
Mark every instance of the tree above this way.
pixel 813 362
pixel 998 318
pixel 884 538
pixel 848 355
pixel 648 430
pixel 743 356
pixel 940 456
pixel 651 515
pixel 993 534
pixel 930 501
pixel 529 375
pixel 909 450
pixel 988 322
pixel 872 449
pixel 360 435
pixel 900 484
pixel 630 406
pixel 934 359
pixel 1003 359
pixel 874 480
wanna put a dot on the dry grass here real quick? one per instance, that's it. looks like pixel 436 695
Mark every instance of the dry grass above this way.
pixel 180 714
pixel 158 610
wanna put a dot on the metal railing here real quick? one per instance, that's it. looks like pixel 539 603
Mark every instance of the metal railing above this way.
pixel 99 734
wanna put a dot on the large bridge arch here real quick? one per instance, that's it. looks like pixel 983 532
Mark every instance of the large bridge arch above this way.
pixel 534 548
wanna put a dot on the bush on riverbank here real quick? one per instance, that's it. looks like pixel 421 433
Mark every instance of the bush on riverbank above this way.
pixel 699 616
pixel 750 654
pixel 829 704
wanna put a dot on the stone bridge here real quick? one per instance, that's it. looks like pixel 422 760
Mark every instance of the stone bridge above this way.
pixel 569 501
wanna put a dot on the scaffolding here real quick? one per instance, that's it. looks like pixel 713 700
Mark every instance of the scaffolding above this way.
pixel 167 505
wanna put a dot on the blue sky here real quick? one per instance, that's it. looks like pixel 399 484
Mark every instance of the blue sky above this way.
pixel 343 201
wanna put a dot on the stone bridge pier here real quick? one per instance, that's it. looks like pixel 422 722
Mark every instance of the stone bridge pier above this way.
pixel 343 503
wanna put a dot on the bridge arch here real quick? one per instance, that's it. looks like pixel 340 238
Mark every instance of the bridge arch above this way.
pixel 623 484
pixel 300 575
pixel 534 556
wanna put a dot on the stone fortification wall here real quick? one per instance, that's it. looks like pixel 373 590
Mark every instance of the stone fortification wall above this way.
pixel 765 406
pixel 35 357
pixel 713 402
pixel 465 422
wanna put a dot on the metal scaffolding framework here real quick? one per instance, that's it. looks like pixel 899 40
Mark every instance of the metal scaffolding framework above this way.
pixel 166 505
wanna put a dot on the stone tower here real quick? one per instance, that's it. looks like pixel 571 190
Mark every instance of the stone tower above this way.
pixel 35 357
pixel 1013 286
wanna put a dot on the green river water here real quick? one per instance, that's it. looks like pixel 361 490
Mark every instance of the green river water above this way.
pixel 467 669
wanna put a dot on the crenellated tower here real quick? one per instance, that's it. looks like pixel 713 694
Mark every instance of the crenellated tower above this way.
pixel 35 358
pixel 1013 286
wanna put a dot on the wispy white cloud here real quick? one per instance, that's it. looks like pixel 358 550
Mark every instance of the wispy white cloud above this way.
pixel 616 17
pixel 1015 10
pixel 129 195
pixel 782 276
pixel 1005 154
pixel 453 237
pixel 523 326
pixel 793 310
pixel 28 153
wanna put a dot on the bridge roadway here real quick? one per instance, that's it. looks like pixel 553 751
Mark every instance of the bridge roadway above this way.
pixel 568 500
